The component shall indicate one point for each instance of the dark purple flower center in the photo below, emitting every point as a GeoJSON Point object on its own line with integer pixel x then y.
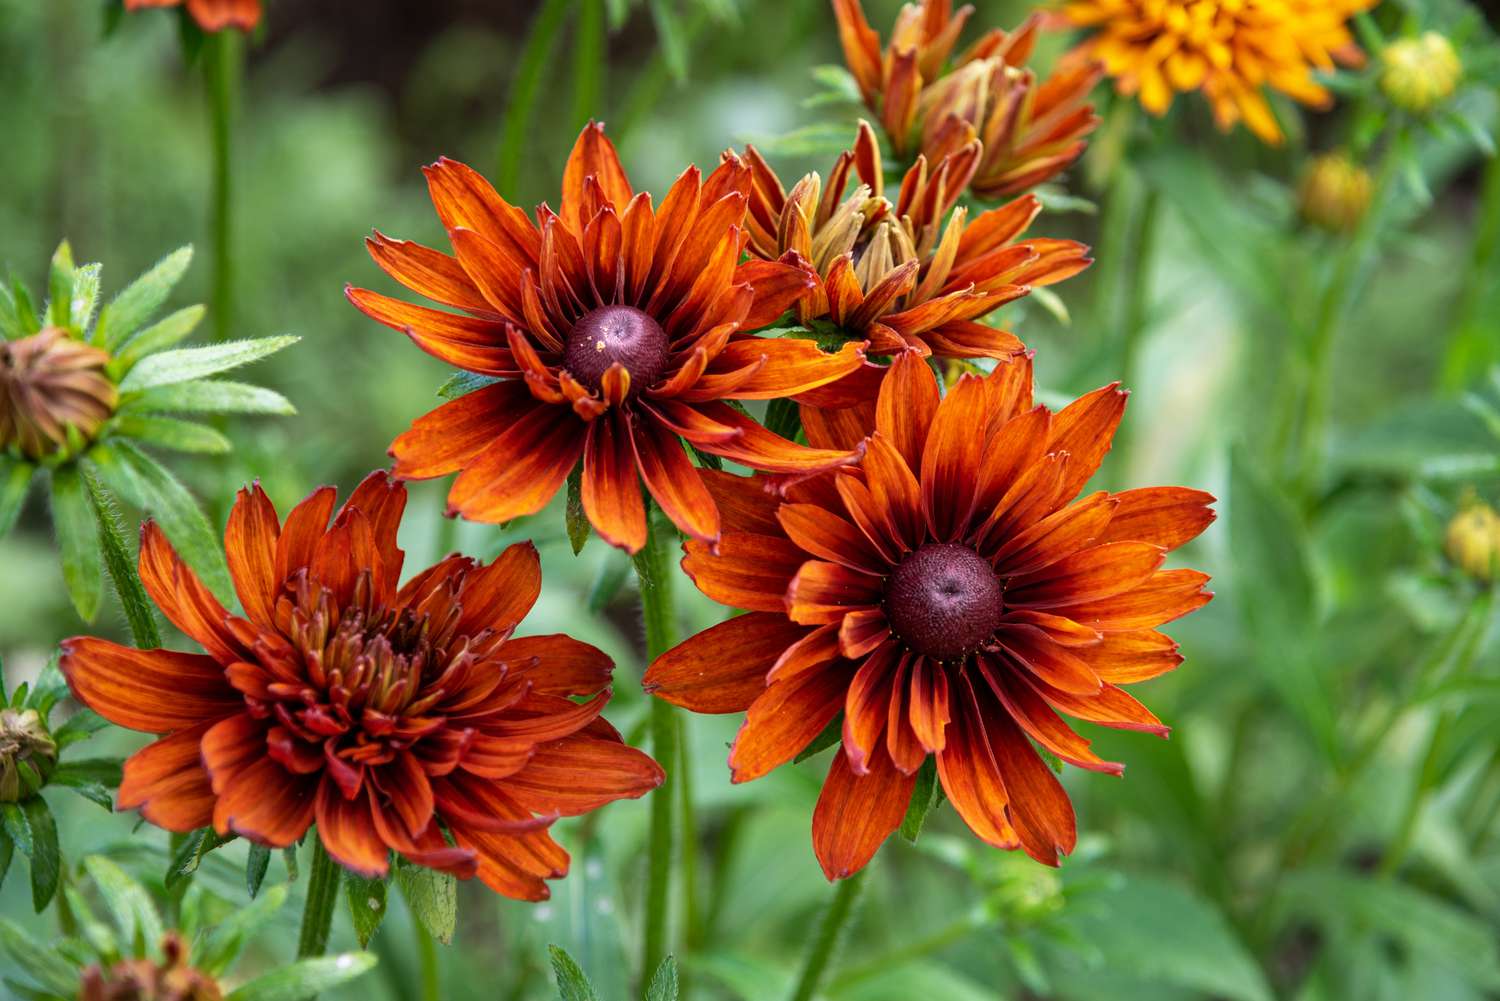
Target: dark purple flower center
{"type": "Point", "coordinates": [613, 334]}
{"type": "Point", "coordinates": [944, 600]}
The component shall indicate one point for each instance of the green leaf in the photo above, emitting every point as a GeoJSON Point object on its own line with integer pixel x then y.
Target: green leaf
{"type": "Point", "coordinates": [41, 964]}
{"type": "Point", "coordinates": [783, 417]}
{"type": "Point", "coordinates": [25, 312]}
{"type": "Point", "coordinates": [433, 899]}
{"type": "Point", "coordinates": [60, 280]}
{"type": "Point", "coordinates": [49, 687]}
{"type": "Point", "coordinates": [143, 297]}
{"type": "Point", "coordinates": [832, 734]}
{"type": "Point", "coordinates": [190, 854]}
{"type": "Point", "coordinates": [923, 797]}
{"type": "Point", "coordinates": [180, 517]}
{"type": "Point", "coordinates": [77, 540]}
{"type": "Point", "coordinates": [208, 396]}
{"type": "Point", "coordinates": [223, 942]}
{"type": "Point", "coordinates": [7, 852]}
{"type": "Point", "coordinates": [188, 364]}
{"type": "Point", "coordinates": [121, 563]}
{"type": "Point", "coordinates": [80, 726]}
{"type": "Point", "coordinates": [305, 978]}
{"type": "Point", "coordinates": [663, 985]}
{"type": "Point", "coordinates": [577, 519]}
{"type": "Point", "coordinates": [464, 383]}
{"type": "Point", "coordinates": [157, 337]}
{"type": "Point", "coordinates": [15, 483]}
{"type": "Point", "coordinates": [256, 864]}
{"type": "Point", "coordinates": [128, 901]}
{"type": "Point", "coordinates": [85, 297]}
{"type": "Point", "coordinates": [169, 432]}
{"type": "Point", "coordinates": [46, 859]}
{"type": "Point", "coordinates": [10, 322]}
{"type": "Point", "coordinates": [572, 983]}
{"type": "Point", "coordinates": [367, 906]}
{"type": "Point", "coordinates": [526, 87]}
{"type": "Point", "coordinates": [673, 43]}
{"type": "Point", "coordinates": [91, 778]}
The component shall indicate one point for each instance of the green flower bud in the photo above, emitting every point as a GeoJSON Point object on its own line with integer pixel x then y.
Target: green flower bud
{"type": "Point", "coordinates": [1418, 74]}
{"type": "Point", "coordinates": [27, 754]}
{"type": "Point", "coordinates": [1473, 541]}
{"type": "Point", "coordinates": [1335, 193]}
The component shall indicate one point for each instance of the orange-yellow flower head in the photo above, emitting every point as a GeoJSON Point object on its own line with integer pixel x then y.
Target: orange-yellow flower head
{"type": "Point", "coordinates": [211, 15]}
{"type": "Point", "coordinates": [1231, 50]}
{"type": "Point", "coordinates": [1031, 130]}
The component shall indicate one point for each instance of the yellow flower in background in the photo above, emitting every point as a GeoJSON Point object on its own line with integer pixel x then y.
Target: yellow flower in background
{"type": "Point", "coordinates": [1473, 540]}
{"type": "Point", "coordinates": [1231, 50]}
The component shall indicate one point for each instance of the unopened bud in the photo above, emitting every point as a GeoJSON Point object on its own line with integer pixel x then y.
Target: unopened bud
{"type": "Point", "coordinates": [1473, 541]}
{"type": "Point", "coordinates": [1420, 73]}
{"type": "Point", "coordinates": [1335, 193]}
{"type": "Point", "coordinates": [50, 382]}
{"type": "Point", "coordinates": [27, 753]}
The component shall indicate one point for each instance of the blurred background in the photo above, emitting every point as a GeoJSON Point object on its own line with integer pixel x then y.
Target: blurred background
{"type": "Point", "coordinates": [1248, 857]}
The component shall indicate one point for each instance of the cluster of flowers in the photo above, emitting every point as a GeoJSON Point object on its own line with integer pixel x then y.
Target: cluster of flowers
{"type": "Point", "coordinates": [924, 564]}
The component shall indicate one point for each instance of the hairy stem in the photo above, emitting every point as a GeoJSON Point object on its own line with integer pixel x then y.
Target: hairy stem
{"type": "Point", "coordinates": [825, 944]}
{"type": "Point", "coordinates": [322, 894]}
{"type": "Point", "coordinates": [221, 68]}
{"type": "Point", "coordinates": [653, 570]}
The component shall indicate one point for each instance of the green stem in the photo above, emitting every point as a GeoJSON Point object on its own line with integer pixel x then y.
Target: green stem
{"type": "Point", "coordinates": [1437, 744]}
{"type": "Point", "coordinates": [950, 934]}
{"type": "Point", "coordinates": [221, 67]}
{"type": "Point", "coordinates": [123, 572]}
{"type": "Point", "coordinates": [322, 894]}
{"type": "Point", "coordinates": [1471, 348]}
{"type": "Point", "coordinates": [1332, 309]}
{"type": "Point", "coordinates": [432, 986]}
{"type": "Point", "coordinates": [515, 130]}
{"type": "Point", "coordinates": [688, 824]}
{"type": "Point", "coordinates": [588, 62]}
{"type": "Point", "coordinates": [653, 570]}
{"type": "Point", "coordinates": [825, 944]}
{"type": "Point", "coordinates": [1136, 306]}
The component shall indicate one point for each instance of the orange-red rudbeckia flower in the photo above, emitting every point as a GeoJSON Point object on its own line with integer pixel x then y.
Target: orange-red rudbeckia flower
{"type": "Point", "coordinates": [211, 15]}
{"type": "Point", "coordinates": [1031, 131]}
{"type": "Point", "coordinates": [614, 330]}
{"type": "Point", "coordinates": [915, 273]}
{"type": "Point", "coordinates": [391, 715]}
{"type": "Point", "coordinates": [950, 598]}
{"type": "Point", "coordinates": [1231, 50]}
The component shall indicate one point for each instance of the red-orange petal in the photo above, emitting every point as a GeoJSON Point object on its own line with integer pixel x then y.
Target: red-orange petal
{"type": "Point", "coordinates": [856, 813]}
{"type": "Point", "coordinates": [785, 718]}
{"type": "Point", "coordinates": [165, 780]}
{"type": "Point", "coordinates": [154, 691]}
{"type": "Point", "coordinates": [522, 469]}
{"type": "Point", "coordinates": [723, 669]}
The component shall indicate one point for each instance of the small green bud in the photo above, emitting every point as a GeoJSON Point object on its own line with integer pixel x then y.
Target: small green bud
{"type": "Point", "coordinates": [27, 753]}
{"type": "Point", "coordinates": [1473, 541]}
{"type": "Point", "coordinates": [1418, 74]}
{"type": "Point", "coordinates": [1335, 193]}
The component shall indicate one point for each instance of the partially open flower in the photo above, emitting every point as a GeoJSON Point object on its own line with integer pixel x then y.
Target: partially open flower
{"type": "Point", "coordinates": [915, 273]}
{"type": "Point", "coordinates": [1473, 541]}
{"type": "Point", "coordinates": [1231, 50]}
{"type": "Point", "coordinates": [1335, 193]}
{"type": "Point", "coordinates": [24, 744]}
{"type": "Point", "coordinates": [615, 331]}
{"type": "Point", "coordinates": [211, 15]}
{"type": "Point", "coordinates": [1418, 74]}
{"type": "Point", "coordinates": [171, 979]}
{"type": "Point", "coordinates": [50, 382]}
{"type": "Point", "coordinates": [1030, 131]}
{"type": "Point", "coordinates": [401, 718]}
{"type": "Point", "coordinates": [950, 598]}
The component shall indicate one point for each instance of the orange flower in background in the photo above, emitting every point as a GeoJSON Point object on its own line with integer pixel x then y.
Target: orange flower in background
{"type": "Point", "coordinates": [389, 715]}
{"type": "Point", "coordinates": [614, 331]}
{"type": "Point", "coordinates": [896, 275]}
{"type": "Point", "coordinates": [1030, 131]}
{"type": "Point", "coordinates": [1231, 50]}
{"type": "Point", "coordinates": [950, 598]}
{"type": "Point", "coordinates": [211, 15]}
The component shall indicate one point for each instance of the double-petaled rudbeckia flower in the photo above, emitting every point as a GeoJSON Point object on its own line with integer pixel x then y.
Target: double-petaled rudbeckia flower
{"type": "Point", "coordinates": [211, 15]}
{"type": "Point", "coordinates": [396, 717]}
{"type": "Point", "coordinates": [1232, 50]}
{"type": "Point", "coordinates": [950, 598]}
{"type": "Point", "coordinates": [896, 275]}
{"type": "Point", "coordinates": [1031, 131]}
{"type": "Point", "coordinates": [614, 331]}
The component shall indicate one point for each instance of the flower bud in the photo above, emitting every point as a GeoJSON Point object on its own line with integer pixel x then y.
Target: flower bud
{"type": "Point", "coordinates": [1473, 541]}
{"type": "Point", "coordinates": [145, 980]}
{"type": "Point", "coordinates": [25, 745]}
{"type": "Point", "coordinates": [1418, 74]}
{"type": "Point", "coordinates": [1335, 193]}
{"type": "Point", "coordinates": [50, 382]}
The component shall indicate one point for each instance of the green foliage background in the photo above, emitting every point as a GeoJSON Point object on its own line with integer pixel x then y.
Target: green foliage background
{"type": "Point", "coordinates": [1239, 859]}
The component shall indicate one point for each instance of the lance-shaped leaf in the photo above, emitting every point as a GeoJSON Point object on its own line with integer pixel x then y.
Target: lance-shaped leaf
{"type": "Point", "coordinates": [157, 337]}
{"type": "Point", "coordinates": [305, 978]}
{"type": "Point", "coordinates": [139, 300]}
{"type": "Point", "coordinates": [187, 364]}
{"type": "Point", "coordinates": [207, 396]}
{"type": "Point", "coordinates": [77, 540]}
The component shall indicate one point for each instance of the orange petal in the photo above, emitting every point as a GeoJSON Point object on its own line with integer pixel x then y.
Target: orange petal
{"type": "Point", "coordinates": [856, 813]}
{"type": "Point", "coordinates": [785, 718]}
{"type": "Point", "coordinates": [723, 669]}
{"type": "Point", "coordinates": [165, 780]}
{"type": "Point", "coordinates": [747, 571]}
{"type": "Point", "coordinates": [522, 469]}
{"type": "Point", "coordinates": [673, 481]}
{"type": "Point", "coordinates": [582, 773]}
{"type": "Point", "coordinates": [611, 492]}
{"type": "Point", "coordinates": [593, 156]}
{"type": "Point", "coordinates": [1163, 516]}
{"type": "Point", "coordinates": [498, 596]}
{"type": "Point", "coordinates": [557, 664]}
{"type": "Point", "coordinates": [448, 438]}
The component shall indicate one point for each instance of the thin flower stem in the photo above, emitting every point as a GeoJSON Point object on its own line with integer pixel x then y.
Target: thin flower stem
{"type": "Point", "coordinates": [221, 67]}
{"type": "Point", "coordinates": [123, 572]}
{"type": "Point", "coordinates": [820, 955]}
{"type": "Point", "coordinates": [322, 894]}
{"type": "Point", "coordinates": [1332, 309]}
{"type": "Point", "coordinates": [1437, 744]}
{"type": "Point", "coordinates": [432, 985]}
{"type": "Point", "coordinates": [653, 570]}
{"type": "Point", "coordinates": [691, 912]}
{"type": "Point", "coordinates": [536, 54]}
{"type": "Point", "coordinates": [1135, 308]}
{"type": "Point", "coordinates": [1471, 351]}
{"type": "Point", "coordinates": [950, 934]}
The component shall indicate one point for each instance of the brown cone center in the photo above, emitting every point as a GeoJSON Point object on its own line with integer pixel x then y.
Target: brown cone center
{"type": "Point", "coordinates": [613, 334]}
{"type": "Point", "coordinates": [944, 600]}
